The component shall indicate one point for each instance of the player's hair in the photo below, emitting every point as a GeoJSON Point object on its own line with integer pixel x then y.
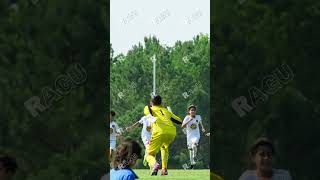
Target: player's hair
{"type": "Point", "coordinates": [261, 142]}
{"type": "Point", "coordinates": [156, 100]}
{"type": "Point", "coordinates": [191, 106]}
{"type": "Point", "coordinates": [112, 113]}
{"type": "Point", "coordinates": [150, 110]}
{"type": "Point", "coordinates": [126, 154]}
{"type": "Point", "coordinates": [9, 163]}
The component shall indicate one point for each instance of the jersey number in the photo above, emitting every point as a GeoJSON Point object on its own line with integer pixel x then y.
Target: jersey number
{"type": "Point", "coordinates": [162, 113]}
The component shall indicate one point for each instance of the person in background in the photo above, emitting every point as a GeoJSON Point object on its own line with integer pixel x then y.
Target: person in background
{"type": "Point", "coordinates": [262, 153]}
{"type": "Point", "coordinates": [145, 132]}
{"type": "Point", "coordinates": [8, 167]}
{"type": "Point", "coordinates": [146, 128]}
{"type": "Point", "coordinates": [191, 123]}
{"type": "Point", "coordinates": [163, 134]}
{"type": "Point", "coordinates": [114, 132]}
{"type": "Point", "coordinates": [127, 153]}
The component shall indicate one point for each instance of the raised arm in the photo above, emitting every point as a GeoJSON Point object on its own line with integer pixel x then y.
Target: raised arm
{"type": "Point", "coordinates": [133, 125]}
{"type": "Point", "coordinates": [174, 118]}
{"type": "Point", "coordinates": [185, 123]}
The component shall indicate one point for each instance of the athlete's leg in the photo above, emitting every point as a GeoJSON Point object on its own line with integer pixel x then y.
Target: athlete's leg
{"type": "Point", "coordinates": [168, 139]}
{"type": "Point", "coordinates": [194, 145]}
{"type": "Point", "coordinates": [146, 142]}
{"type": "Point", "coordinates": [189, 143]}
{"type": "Point", "coordinates": [164, 156]}
{"type": "Point", "coordinates": [194, 152]}
{"type": "Point", "coordinates": [153, 148]}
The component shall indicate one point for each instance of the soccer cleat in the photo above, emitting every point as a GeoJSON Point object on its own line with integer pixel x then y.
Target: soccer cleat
{"type": "Point", "coordinates": [191, 166]}
{"type": "Point", "coordinates": [164, 172]}
{"type": "Point", "coordinates": [155, 169]}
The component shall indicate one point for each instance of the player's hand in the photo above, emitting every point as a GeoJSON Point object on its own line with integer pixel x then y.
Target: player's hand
{"type": "Point", "coordinates": [127, 128]}
{"type": "Point", "coordinates": [203, 130]}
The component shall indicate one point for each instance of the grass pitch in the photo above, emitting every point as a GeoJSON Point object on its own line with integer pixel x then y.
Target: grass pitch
{"type": "Point", "coordinates": [175, 174]}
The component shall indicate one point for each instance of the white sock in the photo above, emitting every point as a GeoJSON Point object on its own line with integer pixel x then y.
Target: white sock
{"type": "Point", "coordinates": [191, 156]}
{"type": "Point", "coordinates": [194, 154]}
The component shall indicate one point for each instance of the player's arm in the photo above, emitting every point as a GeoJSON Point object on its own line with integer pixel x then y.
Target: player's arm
{"type": "Point", "coordinates": [185, 123]}
{"type": "Point", "coordinates": [174, 118]}
{"type": "Point", "coordinates": [133, 125]}
{"type": "Point", "coordinates": [202, 127]}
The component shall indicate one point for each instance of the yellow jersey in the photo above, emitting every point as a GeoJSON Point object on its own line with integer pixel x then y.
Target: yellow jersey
{"type": "Point", "coordinates": [164, 120]}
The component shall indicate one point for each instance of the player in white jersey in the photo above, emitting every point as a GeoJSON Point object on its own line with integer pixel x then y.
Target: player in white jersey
{"type": "Point", "coordinates": [146, 128]}
{"type": "Point", "coordinates": [114, 132]}
{"type": "Point", "coordinates": [191, 124]}
{"type": "Point", "coordinates": [146, 131]}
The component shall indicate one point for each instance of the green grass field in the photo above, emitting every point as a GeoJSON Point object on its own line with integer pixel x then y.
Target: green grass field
{"type": "Point", "coordinates": [175, 174]}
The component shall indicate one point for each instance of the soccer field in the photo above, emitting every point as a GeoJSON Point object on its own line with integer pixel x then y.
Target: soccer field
{"type": "Point", "coordinates": [175, 174]}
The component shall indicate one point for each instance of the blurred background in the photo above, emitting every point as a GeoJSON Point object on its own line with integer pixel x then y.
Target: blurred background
{"type": "Point", "coordinates": [55, 51]}
{"type": "Point", "coordinates": [252, 42]}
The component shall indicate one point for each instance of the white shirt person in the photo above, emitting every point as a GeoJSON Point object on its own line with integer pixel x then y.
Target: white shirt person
{"type": "Point", "coordinates": [191, 127]}
{"type": "Point", "coordinates": [146, 131]}
{"type": "Point", "coordinates": [114, 132]}
{"type": "Point", "coordinates": [262, 153]}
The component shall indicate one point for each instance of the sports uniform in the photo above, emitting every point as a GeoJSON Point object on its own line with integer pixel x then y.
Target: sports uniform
{"type": "Point", "coordinates": [163, 134]}
{"type": "Point", "coordinates": [193, 135]}
{"type": "Point", "coordinates": [114, 130]}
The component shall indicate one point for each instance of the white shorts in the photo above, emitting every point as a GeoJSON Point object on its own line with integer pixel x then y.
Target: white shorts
{"type": "Point", "coordinates": [192, 140]}
{"type": "Point", "coordinates": [112, 145]}
{"type": "Point", "coordinates": [146, 141]}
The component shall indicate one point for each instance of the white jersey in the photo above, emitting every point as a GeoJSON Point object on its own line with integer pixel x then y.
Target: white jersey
{"type": "Point", "coordinates": [114, 129]}
{"type": "Point", "coordinates": [146, 122]}
{"type": "Point", "coordinates": [192, 128]}
{"type": "Point", "coordinates": [278, 174]}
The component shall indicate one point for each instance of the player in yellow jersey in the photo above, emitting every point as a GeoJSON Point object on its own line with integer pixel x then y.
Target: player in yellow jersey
{"type": "Point", "coordinates": [163, 134]}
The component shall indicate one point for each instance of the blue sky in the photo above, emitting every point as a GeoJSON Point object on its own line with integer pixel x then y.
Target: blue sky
{"type": "Point", "coordinates": [168, 20]}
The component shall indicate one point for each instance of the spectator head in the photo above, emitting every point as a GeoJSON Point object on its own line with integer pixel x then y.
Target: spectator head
{"type": "Point", "coordinates": [127, 153]}
{"type": "Point", "coordinates": [262, 152]}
